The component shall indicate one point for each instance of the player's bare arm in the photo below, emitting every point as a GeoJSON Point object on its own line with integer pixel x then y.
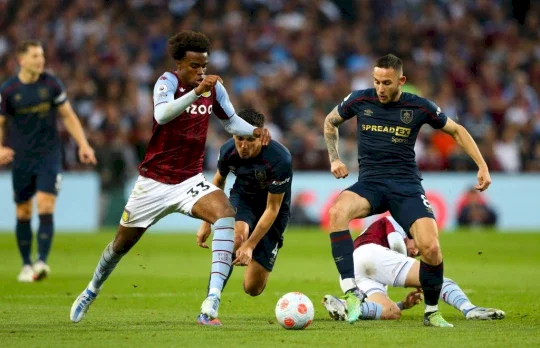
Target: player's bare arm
{"type": "Point", "coordinates": [6, 153]}
{"type": "Point", "coordinates": [245, 252]}
{"type": "Point", "coordinates": [205, 229]}
{"type": "Point", "coordinates": [331, 137]}
{"type": "Point", "coordinates": [465, 140]}
{"type": "Point", "coordinates": [73, 126]}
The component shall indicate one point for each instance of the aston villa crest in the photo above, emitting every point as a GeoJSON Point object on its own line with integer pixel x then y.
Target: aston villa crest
{"type": "Point", "coordinates": [406, 116]}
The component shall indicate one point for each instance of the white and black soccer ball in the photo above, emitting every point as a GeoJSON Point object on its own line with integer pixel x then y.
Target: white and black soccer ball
{"type": "Point", "coordinates": [294, 311]}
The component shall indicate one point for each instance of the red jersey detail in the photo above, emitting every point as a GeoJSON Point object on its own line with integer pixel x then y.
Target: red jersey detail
{"type": "Point", "coordinates": [175, 152]}
{"type": "Point", "coordinates": [376, 233]}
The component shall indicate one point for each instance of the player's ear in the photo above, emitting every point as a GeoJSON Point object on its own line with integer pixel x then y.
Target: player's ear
{"type": "Point", "coordinates": [402, 80]}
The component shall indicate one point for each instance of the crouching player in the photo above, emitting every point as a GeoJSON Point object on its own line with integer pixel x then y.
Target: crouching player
{"type": "Point", "coordinates": [380, 260]}
{"type": "Point", "coordinates": [261, 195]}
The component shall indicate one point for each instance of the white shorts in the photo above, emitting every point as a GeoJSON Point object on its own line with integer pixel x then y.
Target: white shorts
{"type": "Point", "coordinates": [152, 200]}
{"type": "Point", "coordinates": [376, 267]}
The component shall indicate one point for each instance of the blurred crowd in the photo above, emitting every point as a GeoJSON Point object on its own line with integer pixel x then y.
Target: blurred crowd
{"type": "Point", "coordinates": [294, 60]}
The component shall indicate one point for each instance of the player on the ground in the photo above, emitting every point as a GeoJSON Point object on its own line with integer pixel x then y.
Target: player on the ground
{"type": "Point", "coordinates": [171, 178]}
{"type": "Point", "coordinates": [30, 102]}
{"type": "Point", "coordinates": [383, 256]}
{"type": "Point", "coordinates": [261, 195]}
{"type": "Point", "coordinates": [388, 124]}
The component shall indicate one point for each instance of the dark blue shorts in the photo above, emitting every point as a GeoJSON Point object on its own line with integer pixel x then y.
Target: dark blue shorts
{"type": "Point", "coordinates": [405, 199]}
{"type": "Point", "coordinates": [43, 174]}
{"type": "Point", "coordinates": [266, 251]}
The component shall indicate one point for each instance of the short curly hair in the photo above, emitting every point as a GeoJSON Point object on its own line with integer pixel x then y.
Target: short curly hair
{"type": "Point", "coordinates": [253, 117]}
{"type": "Point", "coordinates": [187, 40]}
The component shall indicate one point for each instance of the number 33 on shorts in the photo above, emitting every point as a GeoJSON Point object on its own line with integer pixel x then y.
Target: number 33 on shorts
{"type": "Point", "coordinates": [200, 187]}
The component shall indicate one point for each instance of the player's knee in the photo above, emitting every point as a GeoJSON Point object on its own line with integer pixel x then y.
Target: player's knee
{"type": "Point", "coordinates": [227, 210]}
{"type": "Point", "coordinates": [253, 289]}
{"type": "Point", "coordinates": [391, 312]}
{"type": "Point", "coordinates": [24, 211]}
{"type": "Point", "coordinates": [337, 214]}
{"type": "Point", "coordinates": [431, 252]}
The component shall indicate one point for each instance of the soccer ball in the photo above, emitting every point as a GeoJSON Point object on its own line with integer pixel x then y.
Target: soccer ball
{"type": "Point", "coordinates": [294, 311]}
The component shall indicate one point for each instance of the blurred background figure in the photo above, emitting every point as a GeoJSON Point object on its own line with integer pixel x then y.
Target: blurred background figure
{"type": "Point", "coordinates": [474, 210]}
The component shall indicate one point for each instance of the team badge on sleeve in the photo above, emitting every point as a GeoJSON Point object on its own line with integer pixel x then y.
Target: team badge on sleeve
{"type": "Point", "coordinates": [406, 116]}
{"type": "Point", "coordinates": [125, 215]}
{"type": "Point", "coordinates": [162, 91]}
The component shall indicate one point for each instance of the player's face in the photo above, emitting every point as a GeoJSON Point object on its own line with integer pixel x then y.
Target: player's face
{"type": "Point", "coordinates": [33, 61]}
{"type": "Point", "coordinates": [192, 67]}
{"type": "Point", "coordinates": [247, 147]}
{"type": "Point", "coordinates": [388, 84]}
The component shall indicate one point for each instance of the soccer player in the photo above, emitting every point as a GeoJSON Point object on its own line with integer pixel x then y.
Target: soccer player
{"type": "Point", "coordinates": [383, 256]}
{"type": "Point", "coordinates": [30, 102]}
{"type": "Point", "coordinates": [261, 195]}
{"type": "Point", "coordinates": [171, 178]}
{"type": "Point", "coordinates": [388, 123]}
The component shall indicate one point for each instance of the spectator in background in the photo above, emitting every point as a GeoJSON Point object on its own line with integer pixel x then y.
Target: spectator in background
{"type": "Point", "coordinates": [474, 211]}
{"type": "Point", "coordinates": [295, 60]}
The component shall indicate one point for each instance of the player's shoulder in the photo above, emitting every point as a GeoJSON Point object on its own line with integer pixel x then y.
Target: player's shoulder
{"type": "Point", "coordinates": [227, 148]}
{"type": "Point", "coordinates": [362, 94]}
{"type": "Point", "coordinates": [167, 76]}
{"type": "Point", "coordinates": [9, 83]}
{"type": "Point", "coordinates": [278, 152]}
{"type": "Point", "coordinates": [416, 100]}
{"type": "Point", "coordinates": [48, 76]}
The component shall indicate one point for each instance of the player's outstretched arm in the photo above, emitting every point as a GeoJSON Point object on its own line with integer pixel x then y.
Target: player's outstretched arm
{"type": "Point", "coordinates": [6, 153]}
{"type": "Point", "coordinates": [465, 140]}
{"type": "Point", "coordinates": [331, 137]}
{"type": "Point", "coordinates": [206, 229]}
{"type": "Point", "coordinates": [73, 126]}
{"type": "Point", "coordinates": [245, 252]}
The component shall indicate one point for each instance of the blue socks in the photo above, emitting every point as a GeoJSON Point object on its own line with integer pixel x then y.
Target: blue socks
{"type": "Point", "coordinates": [342, 251]}
{"type": "Point", "coordinates": [23, 232]}
{"type": "Point", "coordinates": [45, 236]}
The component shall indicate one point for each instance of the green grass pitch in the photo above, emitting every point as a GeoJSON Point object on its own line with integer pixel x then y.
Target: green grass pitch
{"type": "Point", "coordinates": [153, 297]}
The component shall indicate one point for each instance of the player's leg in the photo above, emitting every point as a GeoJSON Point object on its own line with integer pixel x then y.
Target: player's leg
{"type": "Point", "coordinates": [358, 201]}
{"type": "Point", "coordinates": [411, 209]}
{"type": "Point", "coordinates": [215, 208]}
{"type": "Point", "coordinates": [452, 294]}
{"type": "Point", "coordinates": [48, 182]}
{"type": "Point", "coordinates": [45, 205]}
{"type": "Point", "coordinates": [144, 207]}
{"type": "Point", "coordinates": [24, 188]}
{"type": "Point", "coordinates": [264, 257]}
{"type": "Point", "coordinates": [376, 307]}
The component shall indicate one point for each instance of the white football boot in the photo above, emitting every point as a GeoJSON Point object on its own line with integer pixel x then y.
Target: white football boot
{"type": "Point", "coordinates": [209, 311]}
{"type": "Point", "coordinates": [41, 270]}
{"type": "Point", "coordinates": [337, 308]}
{"type": "Point", "coordinates": [26, 275]}
{"type": "Point", "coordinates": [82, 304]}
{"type": "Point", "coordinates": [481, 313]}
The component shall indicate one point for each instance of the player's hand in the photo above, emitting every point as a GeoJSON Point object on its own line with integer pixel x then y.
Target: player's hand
{"type": "Point", "coordinates": [87, 155]}
{"type": "Point", "coordinates": [262, 133]}
{"type": "Point", "coordinates": [484, 179]}
{"type": "Point", "coordinates": [207, 84]}
{"type": "Point", "coordinates": [243, 255]}
{"type": "Point", "coordinates": [6, 155]}
{"type": "Point", "coordinates": [203, 233]}
{"type": "Point", "coordinates": [339, 169]}
{"type": "Point", "coordinates": [413, 298]}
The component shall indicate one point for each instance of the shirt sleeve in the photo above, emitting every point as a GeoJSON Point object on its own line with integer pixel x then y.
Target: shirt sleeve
{"type": "Point", "coordinates": [346, 108]}
{"type": "Point", "coordinates": [59, 96]}
{"type": "Point", "coordinates": [435, 117]}
{"type": "Point", "coordinates": [281, 177]}
{"type": "Point", "coordinates": [165, 88]}
{"type": "Point", "coordinates": [222, 107]}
